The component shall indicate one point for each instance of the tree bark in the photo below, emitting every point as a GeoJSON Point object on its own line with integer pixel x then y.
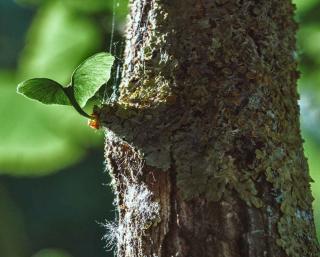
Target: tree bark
{"type": "Point", "coordinates": [204, 144]}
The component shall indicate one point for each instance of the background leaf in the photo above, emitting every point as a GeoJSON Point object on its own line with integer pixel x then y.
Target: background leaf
{"type": "Point", "coordinates": [58, 40]}
{"type": "Point", "coordinates": [90, 76]}
{"type": "Point", "coordinates": [44, 90]}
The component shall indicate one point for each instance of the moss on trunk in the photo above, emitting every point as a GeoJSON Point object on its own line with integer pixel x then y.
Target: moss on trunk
{"type": "Point", "coordinates": [204, 143]}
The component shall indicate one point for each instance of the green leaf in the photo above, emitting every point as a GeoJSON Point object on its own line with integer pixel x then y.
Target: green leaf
{"type": "Point", "coordinates": [44, 90]}
{"type": "Point", "coordinates": [37, 139]}
{"type": "Point", "coordinates": [90, 76]}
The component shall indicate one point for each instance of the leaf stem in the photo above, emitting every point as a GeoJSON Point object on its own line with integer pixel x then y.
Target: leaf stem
{"type": "Point", "coordinates": [70, 94]}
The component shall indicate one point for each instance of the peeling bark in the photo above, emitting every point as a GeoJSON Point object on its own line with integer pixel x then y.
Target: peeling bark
{"type": "Point", "coordinates": [204, 143]}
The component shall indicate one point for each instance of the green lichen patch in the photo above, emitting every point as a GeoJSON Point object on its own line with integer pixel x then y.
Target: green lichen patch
{"type": "Point", "coordinates": [295, 238]}
{"type": "Point", "coordinates": [148, 83]}
{"type": "Point", "coordinates": [215, 102]}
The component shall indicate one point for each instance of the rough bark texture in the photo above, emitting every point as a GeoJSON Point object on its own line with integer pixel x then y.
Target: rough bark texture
{"type": "Point", "coordinates": [204, 144]}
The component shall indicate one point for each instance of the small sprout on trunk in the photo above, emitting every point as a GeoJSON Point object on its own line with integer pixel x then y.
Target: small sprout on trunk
{"type": "Point", "coordinates": [86, 80]}
{"type": "Point", "coordinates": [94, 121]}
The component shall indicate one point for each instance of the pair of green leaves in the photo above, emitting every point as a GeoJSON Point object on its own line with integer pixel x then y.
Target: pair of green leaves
{"type": "Point", "coordinates": [86, 80]}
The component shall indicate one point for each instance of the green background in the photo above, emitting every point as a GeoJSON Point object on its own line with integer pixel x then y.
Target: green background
{"type": "Point", "coordinates": [54, 193]}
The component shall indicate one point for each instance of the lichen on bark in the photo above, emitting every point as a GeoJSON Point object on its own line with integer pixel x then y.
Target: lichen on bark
{"type": "Point", "coordinates": [208, 101]}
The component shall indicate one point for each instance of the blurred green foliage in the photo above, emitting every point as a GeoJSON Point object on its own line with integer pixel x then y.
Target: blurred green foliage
{"type": "Point", "coordinates": [42, 213]}
{"type": "Point", "coordinates": [61, 211]}
{"type": "Point", "coordinates": [51, 253]}
{"type": "Point", "coordinates": [37, 140]}
{"type": "Point", "coordinates": [13, 238]}
{"type": "Point", "coordinates": [309, 88]}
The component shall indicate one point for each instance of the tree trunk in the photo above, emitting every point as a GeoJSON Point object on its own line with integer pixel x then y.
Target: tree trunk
{"type": "Point", "coordinates": [204, 143]}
